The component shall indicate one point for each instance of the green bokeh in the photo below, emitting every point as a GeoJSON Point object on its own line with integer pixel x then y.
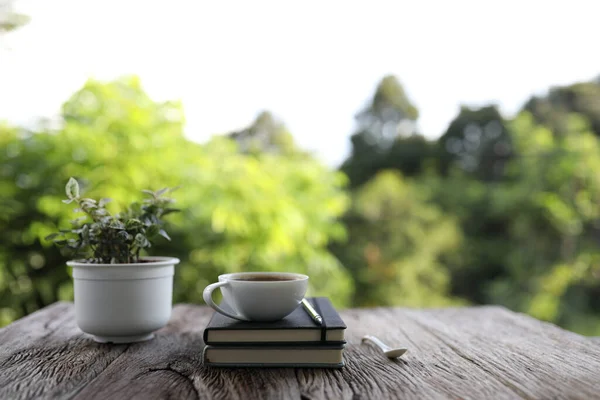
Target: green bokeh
{"type": "Point", "coordinates": [496, 211]}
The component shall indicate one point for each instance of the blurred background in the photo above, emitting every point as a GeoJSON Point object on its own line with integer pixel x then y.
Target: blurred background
{"type": "Point", "coordinates": [420, 154]}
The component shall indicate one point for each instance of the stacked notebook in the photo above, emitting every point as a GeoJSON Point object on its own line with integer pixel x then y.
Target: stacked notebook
{"type": "Point", "coordinates": [295, 341]}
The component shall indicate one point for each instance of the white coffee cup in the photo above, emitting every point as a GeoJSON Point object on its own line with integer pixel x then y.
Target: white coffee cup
{"type": "Point", "coordinates": [258, 296]}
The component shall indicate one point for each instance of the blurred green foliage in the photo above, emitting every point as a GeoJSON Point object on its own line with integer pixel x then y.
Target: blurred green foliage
{"type": "Point", "coordinates": [512, 207]}
{"type": "Point", "coordinates": [397, 241]}
{"type": "Point", "coordinates": [240, 212]}
{"type": "Point", "coordinates": [495, 211]}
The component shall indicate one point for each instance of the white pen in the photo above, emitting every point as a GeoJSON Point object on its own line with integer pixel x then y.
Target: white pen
{"type": "Point", "coordinates": [311, 311]}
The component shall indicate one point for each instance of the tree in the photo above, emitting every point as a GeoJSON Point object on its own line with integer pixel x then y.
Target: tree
{"type": "Point", "coordinates": [385, 136]}
{"type": "Point", "coordinates": [265, 135]}
{"type": "Point", "coordinates": [481, 259]}
{"type": "Point", "coordinates": [411, 155]}
{"type": "Point", "coordinates": [390, 114]}
{"type": "Point", "coordinates": [397, 243]}
{"type": "Point", "coordinates": [553, 109]}
{"type": "Point", "coordinates": [477, 141]}
{"type": "Point", "coordinates": [554, 214]}
{"type": "Point", "coordinates": [263, 211]}
{"type": "Point", "coordinates": [531, 239]}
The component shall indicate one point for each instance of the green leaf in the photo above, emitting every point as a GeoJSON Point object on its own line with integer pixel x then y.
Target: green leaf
{"type": "Point", "coordinates": [141, 241]}
{"type": "Point", "coordinates": [99, 212]}
{"type": "Point", "coordinates": [72, 189]}
{"type": "Point", "coordinates": [152, 230]}
{"type": "Point", "coordinates": [116, 224]}
{"type": "Point", "coordinates": [149, 192]}
{"type": "Point", "coordinates": [164, 234]}
{"type": "Point", "coordinates": [77, 221]}
{"type": "Point", "coordinates": [133, 223]}
{"type": "Point", "coordinates": [88, 204]}
{"type": "Point", "coordinates": [51, 236]}
{"type": "Point", "coordinates": [103, 202]}
{"type": "Point", "coordinates": [170, 211]}
{"type": "Point", "coordinates": [124, 235]}
{"type": "Point", "coordinates": [162, 191]}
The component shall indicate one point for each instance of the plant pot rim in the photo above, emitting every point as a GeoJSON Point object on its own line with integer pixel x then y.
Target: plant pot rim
{"type": "Point", "coordinates": [155, 261]}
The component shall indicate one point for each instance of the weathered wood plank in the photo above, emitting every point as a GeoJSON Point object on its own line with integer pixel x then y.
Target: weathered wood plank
{"type": "Point", "coordinates": [46, 355]}
{"type": "Point", "coordinates": [473, 353]}
{"type": "Point", "coordinates": [170, 366]}
{"type": "Point", "coordinates": [534, 359]}
{"type": "Point", "coordinates": [26, 331]}
{"type": "Point", "coordinates": [430, 369]}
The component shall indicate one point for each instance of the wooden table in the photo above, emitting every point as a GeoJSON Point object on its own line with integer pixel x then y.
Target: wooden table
{"type": "Point", "coordinates": [468, 353]}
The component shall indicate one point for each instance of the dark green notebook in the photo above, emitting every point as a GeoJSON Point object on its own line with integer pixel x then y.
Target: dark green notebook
{"type": "Point", "coordinates": [322, 356]}
{"type": "Point", "coordinates": [296, 328]}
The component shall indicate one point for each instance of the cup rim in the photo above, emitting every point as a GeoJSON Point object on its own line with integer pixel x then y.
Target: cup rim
{"type": "Point", "coordinates": [232, 275]}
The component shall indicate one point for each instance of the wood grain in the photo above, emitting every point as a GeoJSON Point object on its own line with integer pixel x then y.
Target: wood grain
{"type": "Point", "coordinates": [468, 353]}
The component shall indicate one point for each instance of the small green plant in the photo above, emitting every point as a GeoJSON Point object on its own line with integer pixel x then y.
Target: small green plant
{"type": "Point", "coordinates": [102, 238]}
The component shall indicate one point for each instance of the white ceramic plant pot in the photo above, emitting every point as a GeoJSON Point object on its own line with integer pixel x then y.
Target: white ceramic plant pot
{"type": "Point", "coordinates": [123, 303]}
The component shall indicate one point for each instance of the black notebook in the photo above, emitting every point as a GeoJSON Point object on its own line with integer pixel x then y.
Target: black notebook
{"type": "Point", "coordinates": [297, 356]}
{"type": "Point", "coordinates": [298, 327]}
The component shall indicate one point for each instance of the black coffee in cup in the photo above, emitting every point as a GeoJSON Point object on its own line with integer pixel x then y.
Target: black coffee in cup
{"type": "Point", "coordinates": [265, 278]}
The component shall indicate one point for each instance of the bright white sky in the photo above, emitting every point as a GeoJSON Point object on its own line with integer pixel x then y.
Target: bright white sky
{"type": "Point", "coordinates": [312, 63]}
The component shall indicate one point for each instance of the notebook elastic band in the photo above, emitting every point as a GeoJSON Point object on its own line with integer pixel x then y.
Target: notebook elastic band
{"type": "Point", "coordinates": [324, 324]}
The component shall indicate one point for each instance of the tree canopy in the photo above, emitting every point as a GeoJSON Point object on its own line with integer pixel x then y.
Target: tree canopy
{"type": "Point", "coordinates": [500, 209]}
{"type": "Point", "coordinates": [240, 212]}
{"type": "Point", "coordinates": [385, 135]}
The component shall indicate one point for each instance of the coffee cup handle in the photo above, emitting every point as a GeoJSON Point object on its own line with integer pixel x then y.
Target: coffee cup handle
{"type": "Point", "coordinates": [207, 295]}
